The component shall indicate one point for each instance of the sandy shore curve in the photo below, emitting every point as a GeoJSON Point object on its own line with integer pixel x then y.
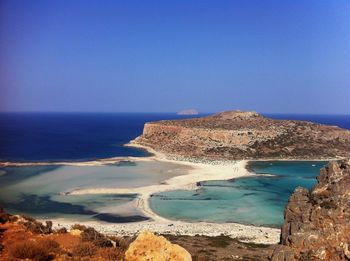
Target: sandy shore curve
{"type": "Point", "coordinates": [197, 172]}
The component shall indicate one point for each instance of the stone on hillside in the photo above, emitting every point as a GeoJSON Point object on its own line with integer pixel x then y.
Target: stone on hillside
{"type": "Point", "coordinates": [150, 247]}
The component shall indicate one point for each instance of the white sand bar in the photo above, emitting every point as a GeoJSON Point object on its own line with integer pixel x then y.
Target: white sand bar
{"type": "Point", "coordinates": [197, 172]}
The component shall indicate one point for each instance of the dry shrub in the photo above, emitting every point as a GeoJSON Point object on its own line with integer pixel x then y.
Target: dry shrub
{"type": "Point", "coordinates": [61, 230]}
{"type": "Point", "coordinates": [84, 249]}
{"type": "Point", "coordinates": [37, 227]}
{"type": "Point", "coordinates": [78, 227]}
{"type": "Point", "coordinates": [31, 250]}
{"type": "Point", "coordinates": [41, 249]}
{"type": "Point", "coordinates": [28, 218]}
{"type": "Point", "coordinates": [111, 254]}
{"type": "Point", "coordinates": [4, 217]}
{"type": "Point", "coordinates": [48, 244]}
{"type": "Point", "coordinates": [124, 242]}
{"type": "Point", "coordinates": [91, 235]}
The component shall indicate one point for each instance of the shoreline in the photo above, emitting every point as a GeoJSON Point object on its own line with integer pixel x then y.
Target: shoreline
{"type": "Point", "coordinates": [243, 233]}
{"type": "Point", "coordinates": [197, 172]}
{"type": "Point", "coordinates": [98, 162]}
{"type": "Point", "coordinates": [154, 155]}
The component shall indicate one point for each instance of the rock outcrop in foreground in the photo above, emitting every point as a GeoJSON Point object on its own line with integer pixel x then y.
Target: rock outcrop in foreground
{"type": "Point", "coordinates": [317, 223]}
{"type": "Point", "coordinates": [147, 246]}
{"type": "Point", "coordinates": [239, 135]}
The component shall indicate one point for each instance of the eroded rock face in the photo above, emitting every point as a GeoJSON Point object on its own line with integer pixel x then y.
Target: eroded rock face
{"type": "Point", "coordinates": [150, 247]}
{"type": "Point", "coordinates": [317, 223]}
{"type": "Point", "coordinates": [239, 135]}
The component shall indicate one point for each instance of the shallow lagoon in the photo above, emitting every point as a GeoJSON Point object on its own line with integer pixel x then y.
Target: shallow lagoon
{"type": "Point", "coordinates": [37, 190]}
{"type": "Point", "coordinates": [258, 200]}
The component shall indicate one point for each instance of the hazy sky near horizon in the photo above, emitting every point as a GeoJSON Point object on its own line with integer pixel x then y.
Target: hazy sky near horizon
{"type": "Point", "coordinates": [164, 56]}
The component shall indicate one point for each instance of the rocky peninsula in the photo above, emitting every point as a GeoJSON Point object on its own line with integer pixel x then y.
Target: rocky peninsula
{"type": "Point", "coordinates": [233, 135]}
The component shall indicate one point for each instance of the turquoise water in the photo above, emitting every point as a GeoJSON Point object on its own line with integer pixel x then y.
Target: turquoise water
{"type": "Point", "coordinates": [47, 137]}
{"type": "Point", "coordinates": [258, 200]}
{"type": "Point", "coordinates": [37, 190]}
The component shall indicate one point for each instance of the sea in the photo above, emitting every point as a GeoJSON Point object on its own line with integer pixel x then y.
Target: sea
{"type": "Point", "coordinates": [40, 191]}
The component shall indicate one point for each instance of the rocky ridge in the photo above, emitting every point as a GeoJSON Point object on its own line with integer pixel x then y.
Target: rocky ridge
{"type": "Point", "coordinates": [317, 223]}
{"type": "Point", "coordinates": [244, 135]}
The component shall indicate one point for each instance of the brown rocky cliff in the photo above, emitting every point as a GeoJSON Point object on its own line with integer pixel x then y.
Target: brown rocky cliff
{"type": "Point", "coordinates": [239, 135]}
{"type": "Point", "coordinates": [317, 223]}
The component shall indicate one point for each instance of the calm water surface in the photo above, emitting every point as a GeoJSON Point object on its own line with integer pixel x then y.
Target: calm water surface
{"type": "Point", "coordinates": [254, 200]}
{"type": "Point", "coordinates": [37, 190]}
{"type": "Point", "coordinates": [84, 136]}
{"type": "Point", "coordinates": [72, 136]}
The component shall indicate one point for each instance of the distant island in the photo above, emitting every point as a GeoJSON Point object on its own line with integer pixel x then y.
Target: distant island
{"type": "Point", "coordinates": [232, 135]}
{"type": "Point", "coordinates": [188, 112]}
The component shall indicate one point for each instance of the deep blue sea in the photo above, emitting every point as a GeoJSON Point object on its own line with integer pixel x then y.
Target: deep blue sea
{"type": "Point", "coordinates": [83, 136]}
{"type": "Point", "coordinates": [71, 136]}
{"type": "Point", "coordinates": [37, 190]}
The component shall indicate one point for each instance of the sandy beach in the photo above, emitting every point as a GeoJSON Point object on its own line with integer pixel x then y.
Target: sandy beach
{"type": "Point", "coordinates": [193, 173]}
{"type": "Point", "coordinates": [244, 233]}
{"type": "Point", "coordinates": [196, 172]}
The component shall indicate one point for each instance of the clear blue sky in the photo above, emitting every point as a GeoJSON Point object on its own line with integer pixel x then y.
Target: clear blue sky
{"type": "Point", "coordinates": [164, 56]}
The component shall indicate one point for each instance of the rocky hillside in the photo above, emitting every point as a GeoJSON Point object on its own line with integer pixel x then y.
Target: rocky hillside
{"type": "Point", "coordinates": [317, 223]}
{"type": "Point", "coordinates": [238, 135]}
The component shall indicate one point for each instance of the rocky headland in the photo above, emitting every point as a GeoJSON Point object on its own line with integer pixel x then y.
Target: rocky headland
{"type": "Point", "coordinates": [317, 222]}
{"type": "Point", "coordinates": [244, 135]}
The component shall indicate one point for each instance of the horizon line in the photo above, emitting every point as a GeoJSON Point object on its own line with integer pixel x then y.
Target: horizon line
{"type": "Point", "coordinates": [172, 112]}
